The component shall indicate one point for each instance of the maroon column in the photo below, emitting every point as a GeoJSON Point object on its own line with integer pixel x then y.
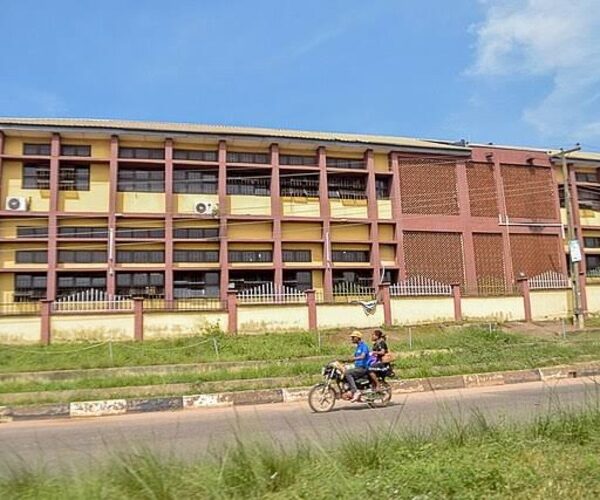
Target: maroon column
{"type": "Point", "coordinates": [53, 216]}
{"type": "Point", "coordinates": [384, 294]}
{"type": "Point", "coordinates": [232, 323]}
{"type": "Point", "coordinates": [456, 296]}
{"type": "Point", "coordinates": [223, 211]}
{"type": "Point", "coordinates": [373, 215]}
{"type": "Point", "coordinates": [462, 188]}
{"type": "Point", "coordinates": [138, 319]}
{"type": "Point", "coordinates": [276, 213]}
{"type": "Point", "coordinates": [112, 212]}
{"type": "Point", "coordinates": [524, 286]}
{"type": "Point", "coordinates": [507, 255]}
{"type": "Point", "coordinates": [579, 234]}
{"type": "Point", "coordinates": [325, 217]}
{"type": "Point", "coordinates": [311, 303]}
{"type": "Point", "coordinates": [395, 194]}
{"type": "Point", "coordinates": [45, 323]}
{"type": "Point", "coordinates": [169, 210]}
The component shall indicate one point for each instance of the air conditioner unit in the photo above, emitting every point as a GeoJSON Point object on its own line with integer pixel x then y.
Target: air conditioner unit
{"type": "Point", "coordinates": [16, 204]}
{"type": "Point", "coordinates": [206, 208]}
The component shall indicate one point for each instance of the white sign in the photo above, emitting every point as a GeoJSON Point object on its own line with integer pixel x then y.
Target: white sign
{"type": "Point", "coordinates": [575, 251]}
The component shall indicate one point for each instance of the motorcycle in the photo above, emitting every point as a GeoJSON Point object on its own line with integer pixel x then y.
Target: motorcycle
{"type": "Point", "coordinates": [322, 396]}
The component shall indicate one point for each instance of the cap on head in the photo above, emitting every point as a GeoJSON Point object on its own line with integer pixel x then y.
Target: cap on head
{"type": "Point", "coordinates": [356, 334]}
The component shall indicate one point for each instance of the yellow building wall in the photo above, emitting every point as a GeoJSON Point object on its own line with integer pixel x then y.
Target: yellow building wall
{"type": "Point", "coordinates": [100, 147]}
{"type": "Point", "coordinates": [92, 327]}
{"type": "Point", "coordinates": [593, 298]}
{"type": "Point", "coordinates": [317, 280]}
{"type": "Point", "coordinates": [140, 223]}
{"type": "Point", "coordinates": [141, 143]}
{"type": "Point", "coordinates": [83, 221]}
{"type": "Point", "coordinates": [387, 254]}
{"type": "Point", "coordinates": [384, 209]}
{"type": "Point", "coordinates": [252, 230]}
{"type": "Point", "coordinates": [249, 205]}
{"type": "Point", "coordinates": [198, 146]}
{"type": "Point", "coordinates": [301, 207]}
{"type": "Point", "coordinates": [195, 223]}
{"type": "Point", "coordinates": [266, 318]}
{"type": "Point", "coordinates": [7, 282]}
{"type": "Point", "coordinates": [141, 202]}
{"type": "Point", "coordinates": [354, 232]}
{"type": "Point", "coordinates": [386, 232]}
{"type": "Point", "coordinates": [8, 227]}
{"type": "Point", "coordinates": [420, 310]}
{"type": "Point", "coordinates": [20, 329]}
{"type": "Point", "coordinates": [493, 308]}
{"type": "Point", "coordinates": [14, 145]}
{"type": "Point", "coordinates": [12, 180]}
{"type": "Point", "coordinates": [348, 209]}
{"type": "Point", "coordinates": [301, 231]}
{"type": "Point", "coordinates": [549, 304]}
{"type": "Point", "coordinates": [8, 255]}
{"type": "Point", "coordinates": [589, 218]}
{"type": "Point", "coordinates": [185, 203]}
{"type": "Point", "coordinates": [159, 325]}
{"type": "Point", "coordinates": [94, 200]}
{"type": "Point", "coordinates": [347, 316]}
{"type": "Point", "coordinates": [381, 162]}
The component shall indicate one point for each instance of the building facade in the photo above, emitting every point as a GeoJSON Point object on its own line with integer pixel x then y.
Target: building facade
{"type": "Point", "coordinates": [175, 211]}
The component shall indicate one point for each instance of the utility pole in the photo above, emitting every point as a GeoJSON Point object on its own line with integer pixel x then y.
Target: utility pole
{"type": "Point", "coordinates": [574, 248]}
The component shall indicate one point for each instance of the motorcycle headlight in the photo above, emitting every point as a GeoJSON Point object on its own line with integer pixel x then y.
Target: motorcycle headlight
{"type": "Point", "coordinates": [324, 370]}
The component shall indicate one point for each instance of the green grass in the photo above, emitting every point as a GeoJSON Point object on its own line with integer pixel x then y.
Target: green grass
{"type": "Point", "coordinates": [554, 457]}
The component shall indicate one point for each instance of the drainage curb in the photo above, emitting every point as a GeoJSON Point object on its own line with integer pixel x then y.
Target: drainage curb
{"type": "Point", "coordinates": [82, 409]}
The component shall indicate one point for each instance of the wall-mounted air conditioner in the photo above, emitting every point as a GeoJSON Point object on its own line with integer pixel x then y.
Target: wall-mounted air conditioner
{"type": "Point", "coordinates": [16, 204]}
{"type": "Point", "coordinates": [206, 208]}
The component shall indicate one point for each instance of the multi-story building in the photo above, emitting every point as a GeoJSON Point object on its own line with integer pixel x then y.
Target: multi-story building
{"type": "Point", "coordinates": [177, 210]}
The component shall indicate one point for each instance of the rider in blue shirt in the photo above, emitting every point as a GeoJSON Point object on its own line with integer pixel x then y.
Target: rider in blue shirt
{"type": "Point", "coordinates": [361, 361]}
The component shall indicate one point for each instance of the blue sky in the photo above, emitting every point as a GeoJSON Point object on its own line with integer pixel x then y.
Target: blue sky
{"type": "Point", "coordinates": [504, 71]}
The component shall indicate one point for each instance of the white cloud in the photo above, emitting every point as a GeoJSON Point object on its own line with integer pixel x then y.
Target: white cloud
{"type": "Point", "coordinates": [558, 39]}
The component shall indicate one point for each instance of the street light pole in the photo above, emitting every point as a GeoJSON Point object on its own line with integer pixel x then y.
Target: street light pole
{"type": "Point", "coordinates": [578, 319]}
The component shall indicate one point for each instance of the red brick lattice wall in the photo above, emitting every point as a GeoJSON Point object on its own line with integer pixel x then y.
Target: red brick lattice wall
{"type": "Point", "coordinates": [438, 256]}
{"type": "Point", "coordinates": [489, 264]}
{"type": "Point", "coordinates": [529, 192]}
{"type": "Point", "coordinates": [428, 186]}
{"type": "Point", "coordinates": [533, 254]}
{"type": "Point", "coordinates": [482, 189]}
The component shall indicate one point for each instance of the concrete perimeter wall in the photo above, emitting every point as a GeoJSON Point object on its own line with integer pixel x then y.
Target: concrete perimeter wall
{"type": "Point", "coordinates": [549, 304]}
{"type": "Point", "coordinates": [113, 326]}
{"type": "Point", "coordinates": [160, 325]}
{"type": "Point", "coordinates": [268, 318]}
{"type": "Point", "coordinates": [347, 316]}
{"type": "Point", "coordinates": [20, 329]}
{"type": "Point", "coordinates": [497, 308]}
{"type": "Point", "coordinates": [415, 310]}
{"type": "Point", "coordinates": [593, 298]}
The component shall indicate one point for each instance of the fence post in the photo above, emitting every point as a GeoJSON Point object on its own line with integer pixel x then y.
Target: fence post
{"type": "Point", "coordinates": [138, 318]}
{"type": "Point", "coordinates": [232, 326]}
{"type": "Point", "coordinates": [524, 285]}
{"type": "Point", "coordinates": [311, 302]}
{"type": "Point", "coordinates": [456, 295]}
{"type": "Point", "coordinates": [46, 322]}
{"type": "Point", "coordinates": [384, 293]}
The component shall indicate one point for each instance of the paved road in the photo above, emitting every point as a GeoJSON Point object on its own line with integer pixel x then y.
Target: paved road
{"type": "Point", "coordinates": [70, 444]}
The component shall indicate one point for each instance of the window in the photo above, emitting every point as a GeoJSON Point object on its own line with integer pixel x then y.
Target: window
{"type": "Point", "coordinates": [347, 188]}
{"type": "Point", "coordinates": [250, 256]}
{"type": "Point", "coordinates": [296, 256]}
{"type": "Point", "coordinates": [194, 181]}
{"type": "Point", "coordinates": [140, 256]}
{"type": "Point", "coordinates": [36, 176]}
{"type": "Point", "coordinates": [69, 284]}
{"type": "Point", "coordinates": [67, 150]}
{"type": "Point", "coordinates": [133, 232]}
{"type": "Point", "coordinates": [589, 198]}
{"type": "Point", "coordinates": [586, 177]}
{"type": "Point", "coordinates": [300, 186]}
{"type": "Point", "coordinates": [31, 256]}
{"type": "Point", "coordinates": [82, 256]}
{"type": "Point", "coordinates": [196, 256]}
{"type": "Point", "coordinates": [254, 186]}
{"type": "Point", "coordinates": [591, 242]}
{"type": "Point", "coordinates": [143, 180]}
{"type": "Point", "coordinates": [71, 178]}
{"type": "Point", "coordinates": [350, 255]}
{"type": "Point", "coordinates": [36, 149]}
{"type": "Point", "coordinates": [140, 284]}
{"type": "Point", "coordinates": [199, 233]}
{"type": "Point", "coordinates": [190, 154]}
{"type": "Point", "coordinates": [83, 232]}
{"type": "Point", "coordinates": [342, 279]}
{"type": "Point", "coordinates": [32, 232]}
{"type": "Point", "coordinates": [382, 188]}
{"type": "Point", "coordinates": [298, 160]}
{"type": "Point", "coordinates": [354, 163]}
{"type": "Point", "coordinates": [244, 280]}
{"type": "Point", "coordinates": [300, 280]}
{"type": "Point", "coordinates": [236, 157]}
{"type": "Point", "coordinates": [30, 287]}
{"type": "Point", "coordinates": [592, 264]}
{"type": "Point", "coordinates": [142, 153]}
{"type": "Point", "coordinates": [195, 284]}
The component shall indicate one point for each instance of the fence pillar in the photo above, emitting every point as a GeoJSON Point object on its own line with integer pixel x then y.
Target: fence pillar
{"type": "Point", "coordinates": [524, 285]}
{"type": "Point", "coordinates": [384, 294]}
{"type": "Point", "coordinates": [232, 324]}
{"type": "Point", "coordinates": [311, 302]}
{"type": "Point", "coordinates": [46, 322]}
{"type": "Point", "coordinates": [456, 295]}
{"type": "Point", "coordinates": [138, 319]}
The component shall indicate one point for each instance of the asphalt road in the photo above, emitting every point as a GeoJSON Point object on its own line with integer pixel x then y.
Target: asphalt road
{"type": "Point", "coordinates": [82, 443]}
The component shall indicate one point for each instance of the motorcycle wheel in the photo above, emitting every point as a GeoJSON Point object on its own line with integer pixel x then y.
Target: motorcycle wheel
{"type": "Point", "coordinates": [321, 398]}
{"type": "Point", "coordinates": [383, 398]}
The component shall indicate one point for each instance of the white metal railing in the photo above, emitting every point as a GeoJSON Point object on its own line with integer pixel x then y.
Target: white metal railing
{"type": "Point", "coordinates": [269, 293]}
{"type": "Point", "coordinates": [548, 280]}
{"type": "Point", "coordinates": [92, 300]}
{"type": "Point", "coordinates": [419, 285]}
{"type": "Point", "coordinates": [352, 289]}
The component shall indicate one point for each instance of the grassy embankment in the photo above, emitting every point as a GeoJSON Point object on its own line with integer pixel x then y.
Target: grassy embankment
{"type": "Point", "coordinates": [555, 457]}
